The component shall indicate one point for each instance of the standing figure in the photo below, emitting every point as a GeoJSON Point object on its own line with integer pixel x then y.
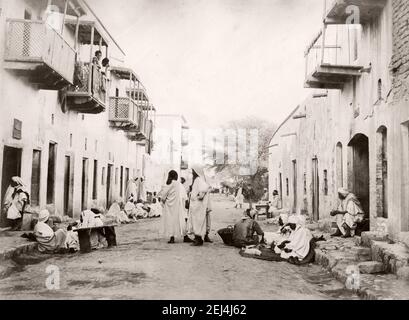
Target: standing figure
{"type": "Point", "coordinates": [239, 198]}
{"type": "Point", "coordinates": [199, 204]}
{"type": "Point", "coordinates": [173, 219]}
{"type": "Point", "coordinates": [131, 189]}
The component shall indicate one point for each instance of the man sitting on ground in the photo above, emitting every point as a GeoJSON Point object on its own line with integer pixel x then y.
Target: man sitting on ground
{"type": "Point", "coordinates": [247, 231]}
{"type": "Point", "coordinates": [348, 214]}
{"type": "Point", "coordinates": [297, 247]}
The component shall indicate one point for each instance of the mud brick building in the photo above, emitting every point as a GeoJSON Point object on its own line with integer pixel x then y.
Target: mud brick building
{"type": "Point", "coordinates": [353, 129]}
{"type": "Point", "coordinates": [74, 131]}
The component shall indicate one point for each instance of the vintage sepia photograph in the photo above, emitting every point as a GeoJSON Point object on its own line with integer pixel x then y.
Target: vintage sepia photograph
{"type": "Point", "coordinates": [204, 150]}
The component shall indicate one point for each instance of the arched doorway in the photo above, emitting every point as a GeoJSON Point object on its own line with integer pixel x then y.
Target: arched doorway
{"type": "Point", "coordinates": [359, 170]}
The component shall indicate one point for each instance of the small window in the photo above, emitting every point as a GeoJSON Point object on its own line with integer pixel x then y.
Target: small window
{"type": "Point", "coordinates": [86, 144]}
{"type": "Point", "coordinates": [379, 89]}
{"type": "Point", "coordinates": [287, 187]}
{"type": "Point", "coordinates": [326, 182]}
{"type": "Point", "coordinates": [17, 129]}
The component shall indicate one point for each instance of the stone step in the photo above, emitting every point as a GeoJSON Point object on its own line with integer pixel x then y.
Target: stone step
{"type": "Point", "coordinates": [394, 256]}
{"type": "Point", "coordinates": [371, 267]}
{"type": "Point", "coordinates": [368, 237]}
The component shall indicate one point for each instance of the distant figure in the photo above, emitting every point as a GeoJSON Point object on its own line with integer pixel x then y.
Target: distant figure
{"type": "Point", "coordinates": [275, 201]}
{"type": "Point", "coordinates": [239, 198]}
{"type": "Point", "coordinates": [96, 60]}
{"type": "Point", "coordinates": [348, 214]}
{"type": "Point", "coordinates": [265, 197]}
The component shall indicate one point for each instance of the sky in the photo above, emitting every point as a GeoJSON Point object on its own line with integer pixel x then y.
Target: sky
{"type": "Point", "coordinates": [216, 60]}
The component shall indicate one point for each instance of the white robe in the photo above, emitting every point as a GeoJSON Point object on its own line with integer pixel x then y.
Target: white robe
{"type": "Point", "coordinates": [173, 219]}
{"type": "Point", "coordinates": [199, 202]}
{"type": "Point", "coordinates": [131, 190]}
{"type": "Point", "coordinates": [299, 243]}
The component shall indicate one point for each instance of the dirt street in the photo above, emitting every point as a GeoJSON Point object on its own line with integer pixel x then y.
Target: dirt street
{"type": "Point", "coordinates": [144, 266]}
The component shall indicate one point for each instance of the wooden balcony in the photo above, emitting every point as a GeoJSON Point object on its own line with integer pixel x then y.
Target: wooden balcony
{"type": "Point", "coordinates": [338, 11]}
{"type": "Point", "coordinates": [35, 50]}
{"type": "Point", "coordinates": [143, 131]}
{"type": "Point", "coordinates": [124, 114]}
{"type": "Point", "coordinates": [89, 92]}
{"type": "Point", "coordinates": [337, 63]}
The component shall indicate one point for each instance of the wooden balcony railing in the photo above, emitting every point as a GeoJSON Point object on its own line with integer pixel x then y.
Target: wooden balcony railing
{"type": "Point", "coordinates": [335, 60]}
{"type": "Point", "coordinates": [124, 112]}
{"type": "Point", "coordinates": [36, 43]}
{"type": "Point", "coordinates": [89, 83]}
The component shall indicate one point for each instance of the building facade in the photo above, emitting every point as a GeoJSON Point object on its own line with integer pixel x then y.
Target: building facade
{"type": "Point", "coordinates": [352, 131]}
{"type": "Point", "coordinates": [171, 141]}
{"type": "Point", "coordinates": [74, 130]}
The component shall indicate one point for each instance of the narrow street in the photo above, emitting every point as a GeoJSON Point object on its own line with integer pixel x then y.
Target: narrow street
{"type": "Point", "coordinates": [144, 267]}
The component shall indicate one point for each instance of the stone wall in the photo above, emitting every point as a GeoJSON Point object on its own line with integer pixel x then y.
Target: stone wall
{"type": "Point", "coordinates": [400, 60]}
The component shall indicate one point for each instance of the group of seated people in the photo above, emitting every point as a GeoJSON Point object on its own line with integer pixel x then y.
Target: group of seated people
{"type": "Point", "coordinates": [291, 243]}
{"type": "Point", "coordinates": [135, 210]}
{"type": "Point", "coordinates": [52, 239]}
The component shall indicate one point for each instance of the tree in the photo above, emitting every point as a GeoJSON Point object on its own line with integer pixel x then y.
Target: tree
{"type": "Point", "coordinates": [257, 179]}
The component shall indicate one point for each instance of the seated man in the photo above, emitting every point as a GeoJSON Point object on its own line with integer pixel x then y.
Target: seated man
{"type": "Point", "coordinates": [348, 214]}
{"type": "Point", "coordinates": [297, 246]}
{"type": "Point", "coordinates": [48, 240]}
{"type": "Point", "coordinates": [247, 231]}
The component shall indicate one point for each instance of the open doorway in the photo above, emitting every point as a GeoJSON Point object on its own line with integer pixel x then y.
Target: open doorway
{"type": "Point", "coordinates": [11, 168]}
{"type": "Point", "coordinates": [109, 185]}
{"type": "Point", "coordinates": [359, 170]}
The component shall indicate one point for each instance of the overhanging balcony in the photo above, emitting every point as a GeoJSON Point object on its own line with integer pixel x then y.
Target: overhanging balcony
{"type": "Point", "coordinates": [333, 62]}
{"type": "Point", "coordinates": [341, 11]}
{"type": "Point", "coordinates": [36, 50]}
{"type": "Point", "coordinates": [124, 114]}
{"type": "Point", "coordinates": [141, 133]}
{"type": "Point", "coordinates": [89, 92]}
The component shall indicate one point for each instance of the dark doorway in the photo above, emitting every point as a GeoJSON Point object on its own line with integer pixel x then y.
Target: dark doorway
{"type": "Point", "coordinates": [84, 185]}
{"type": "Point", "coordinates": [35, 178]}
{"type": "Point", "coordinates": [109, 185]}
{"type": "Point", "coordinates": [360, 170]}
{"type": "Point", "coordinates": [52, 154]}
{"type": "Point", "coordinates": [315, 190]}
{"type": "Point", "coordinates": [11, 168]}
{"type": "Point", "coordinates": [67, 186]}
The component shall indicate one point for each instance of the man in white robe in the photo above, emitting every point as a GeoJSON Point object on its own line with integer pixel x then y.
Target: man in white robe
{"type": "Point", "coordinates": [348, 214]}
{"type": "Point", "coordinates": [173, 218]}
{"type": "Point", "coordinates": [199, 204]}
{"type": "Point", "coordinates": [298, 244]}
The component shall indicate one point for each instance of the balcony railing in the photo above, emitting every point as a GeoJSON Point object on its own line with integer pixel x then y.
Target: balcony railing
{"type": "Point", "coordinates": [35, 46]}
{"type": "Point", "coordinates": [352, 11]}
{"type": "Point", "coordinates": [89, 83]}
{"type": "Point", "coordinates": [124, 113]}
{"type": "Point", "coordinates": [338, 62]}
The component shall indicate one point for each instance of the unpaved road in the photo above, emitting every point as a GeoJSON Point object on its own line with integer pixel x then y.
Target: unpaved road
{"type": "Point", "coordinates": [144, 266]}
